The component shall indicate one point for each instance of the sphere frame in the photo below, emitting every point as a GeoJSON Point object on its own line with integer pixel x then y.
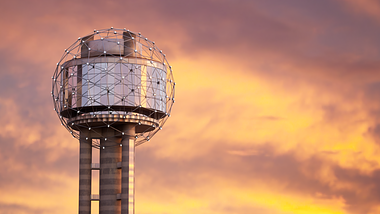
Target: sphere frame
{"type": "Point", "coordinates": [113, 77]}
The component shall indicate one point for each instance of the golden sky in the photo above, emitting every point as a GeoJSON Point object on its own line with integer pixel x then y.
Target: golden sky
{"type": "Point", "coordinates": [277, 106]}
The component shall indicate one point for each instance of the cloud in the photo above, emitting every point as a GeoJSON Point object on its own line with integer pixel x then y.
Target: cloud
{"type": "Point", "coordinates": [276, 107]}
{"type": "Point", "coordinates": [263, 172]}
{"type": "Point", "coordinates": [366, 7]}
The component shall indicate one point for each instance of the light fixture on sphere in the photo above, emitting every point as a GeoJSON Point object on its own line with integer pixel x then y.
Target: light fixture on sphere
{"type": "Point", "coordinates": [115, 86]}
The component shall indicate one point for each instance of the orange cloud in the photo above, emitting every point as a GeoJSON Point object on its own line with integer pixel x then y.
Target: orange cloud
{"type": "Point", "coordinates": [276, 107]}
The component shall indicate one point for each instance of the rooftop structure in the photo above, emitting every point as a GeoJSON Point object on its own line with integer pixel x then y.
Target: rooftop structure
{"type": "Point", "coordinates": [113, 90]}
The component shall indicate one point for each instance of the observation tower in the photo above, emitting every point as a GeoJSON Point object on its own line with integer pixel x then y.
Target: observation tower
{"type": "Point", "coordinates": [113, 90]}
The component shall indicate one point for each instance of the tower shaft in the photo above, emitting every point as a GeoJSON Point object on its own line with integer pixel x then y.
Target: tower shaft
{"type": "Point", "coordinates": [85, 160]}
{"type": "Point", "coordinates": [116, 175]}
{"type": "Point", "coordinates": [109, 176]}
{"type": "Point", "coordinates": [128, 175]}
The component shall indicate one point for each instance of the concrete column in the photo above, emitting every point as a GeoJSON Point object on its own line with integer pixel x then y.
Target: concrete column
{"type": "Point", "coordinates": [128, 170]}
{"type": "Point", "coordinates": [110, 176]}
{"type": "Point", "coordinates": [85, 160]}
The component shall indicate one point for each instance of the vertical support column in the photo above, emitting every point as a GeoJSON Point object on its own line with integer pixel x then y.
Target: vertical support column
{"type": "Point", "coordinates": [128, 171]}
{"type": "Point", "coordinates": [110, 151]}
{"type": "Point", "coordinates": [85, 159]}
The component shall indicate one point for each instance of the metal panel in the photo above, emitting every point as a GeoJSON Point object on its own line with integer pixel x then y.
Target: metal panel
{"type": "Point", "coordinates": [97, 48]}
{"type": "Point", "coordinates": [79, 87]}
{"type": "Point", "coordinates": [84, 91]}
{"type": "Point", "coordinates": [84, 47]}
{"type": "Point", "coordinates": [129, 43]}
{"type": "Point", "coordinates": [124, 84]}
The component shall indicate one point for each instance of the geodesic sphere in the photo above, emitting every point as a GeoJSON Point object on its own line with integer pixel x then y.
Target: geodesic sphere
{"type": "Point", "coordinates": [110, 78]}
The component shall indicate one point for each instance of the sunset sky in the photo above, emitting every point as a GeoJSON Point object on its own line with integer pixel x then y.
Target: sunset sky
{"type": "Point", "coordinates": [277, 106]}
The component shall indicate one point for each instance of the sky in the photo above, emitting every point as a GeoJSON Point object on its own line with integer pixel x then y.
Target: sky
{"type": "Point", "coordinates": [277, 106]}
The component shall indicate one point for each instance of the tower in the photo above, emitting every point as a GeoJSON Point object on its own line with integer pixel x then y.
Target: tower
{"type": "Point", "coordinates": [117, 87]}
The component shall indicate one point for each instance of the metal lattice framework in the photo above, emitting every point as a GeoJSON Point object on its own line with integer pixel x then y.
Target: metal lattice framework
{"type": "Point", "coordinates": [112, 77]}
